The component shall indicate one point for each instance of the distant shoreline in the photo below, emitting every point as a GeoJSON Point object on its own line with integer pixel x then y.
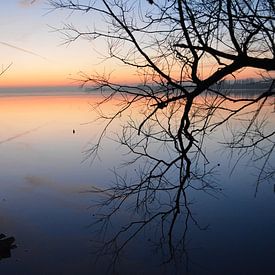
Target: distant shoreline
{"type": "Point", "coordinates": [77, 91]}
{"type": "Point", "coordinates": [44, 91]}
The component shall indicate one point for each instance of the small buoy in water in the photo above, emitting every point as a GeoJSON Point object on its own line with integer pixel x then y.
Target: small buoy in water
{"type": "Point", "coordinates": [73, 131]}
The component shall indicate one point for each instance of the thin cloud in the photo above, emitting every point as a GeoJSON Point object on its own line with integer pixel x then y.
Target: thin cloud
{"type": "Point", "coordinates": [26, 3]}
{"type": "Point", "coordinates": [22, 50]}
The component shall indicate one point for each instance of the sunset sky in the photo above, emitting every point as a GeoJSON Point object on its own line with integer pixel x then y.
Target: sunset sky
{"type": "Point", "coordinates": [37, 54]}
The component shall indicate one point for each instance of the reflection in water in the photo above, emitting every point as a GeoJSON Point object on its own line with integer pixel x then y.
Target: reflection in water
{"type": "Point", "coordinates": [44, 201]}
{"type": "Point", "coordinates": [171, 168]}
{"type": "Point", "coordinates": [20, 135]}
{"type": "Point", "coordinates": [164, 171]}
{"type": "Point", "coordinates": [6, 244]}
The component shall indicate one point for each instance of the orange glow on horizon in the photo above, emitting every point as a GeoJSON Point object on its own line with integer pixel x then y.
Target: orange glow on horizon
{"type": "Point", "coordinates": [35, 77]}
{"type": "Point", "coordinates": [29, 80]}
{"type": "Point", "coordinates": [120, 76]}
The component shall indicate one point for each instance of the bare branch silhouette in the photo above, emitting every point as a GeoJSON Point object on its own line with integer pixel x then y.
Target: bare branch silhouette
{"type": "Point", "coordinates": [184, 53]}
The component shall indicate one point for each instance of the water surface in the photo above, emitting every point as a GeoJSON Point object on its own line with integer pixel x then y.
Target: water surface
{"type": "Point", "coordinates": [45, 206]}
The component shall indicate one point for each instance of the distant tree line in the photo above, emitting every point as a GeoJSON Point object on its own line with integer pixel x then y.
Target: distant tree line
{"type": "Point", "coordinates": [244, 84]}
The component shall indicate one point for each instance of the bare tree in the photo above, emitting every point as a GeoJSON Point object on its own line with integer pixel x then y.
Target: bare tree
{"type": "Point", "coordinates": [183, 52]}
{"type": "Point", "coordinates": [4, 69]}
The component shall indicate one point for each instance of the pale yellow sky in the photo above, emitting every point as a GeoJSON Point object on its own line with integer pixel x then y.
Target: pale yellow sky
{"type": "Point", "coordinates": [35, 51]}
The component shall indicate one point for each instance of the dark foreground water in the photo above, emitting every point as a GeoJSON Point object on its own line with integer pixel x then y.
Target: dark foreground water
{"type": "Point", "coordinates": [45, 206]}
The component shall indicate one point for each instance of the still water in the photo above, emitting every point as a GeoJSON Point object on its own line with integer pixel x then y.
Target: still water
{"type": "Point", "coordinates": [45, 206]}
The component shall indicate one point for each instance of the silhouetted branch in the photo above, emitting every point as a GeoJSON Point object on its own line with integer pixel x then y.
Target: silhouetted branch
{"type": "Point", "coordinates": [183, 51]}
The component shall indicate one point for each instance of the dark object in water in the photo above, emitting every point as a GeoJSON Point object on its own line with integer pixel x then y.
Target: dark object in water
{"type": "Point", "coordinates": [73, 131]}
{"type": "Point", "coordinates": [6, 244]}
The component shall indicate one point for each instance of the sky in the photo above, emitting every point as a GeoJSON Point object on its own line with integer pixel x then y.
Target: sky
{"type": "Point", "coordinates": [36, 55]}
{"type": "Point", "coordinates": [27, 44]}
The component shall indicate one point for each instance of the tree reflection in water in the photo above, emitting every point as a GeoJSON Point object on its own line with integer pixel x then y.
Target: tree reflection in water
{"type": "Point", "coordinates": [183, 52]}
{"type": "Point", "coordinates": [154, 197]}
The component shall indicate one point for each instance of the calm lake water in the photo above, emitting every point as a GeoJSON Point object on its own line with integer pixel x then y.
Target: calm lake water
{"type": "Point", "coordinates": [45, 206]}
